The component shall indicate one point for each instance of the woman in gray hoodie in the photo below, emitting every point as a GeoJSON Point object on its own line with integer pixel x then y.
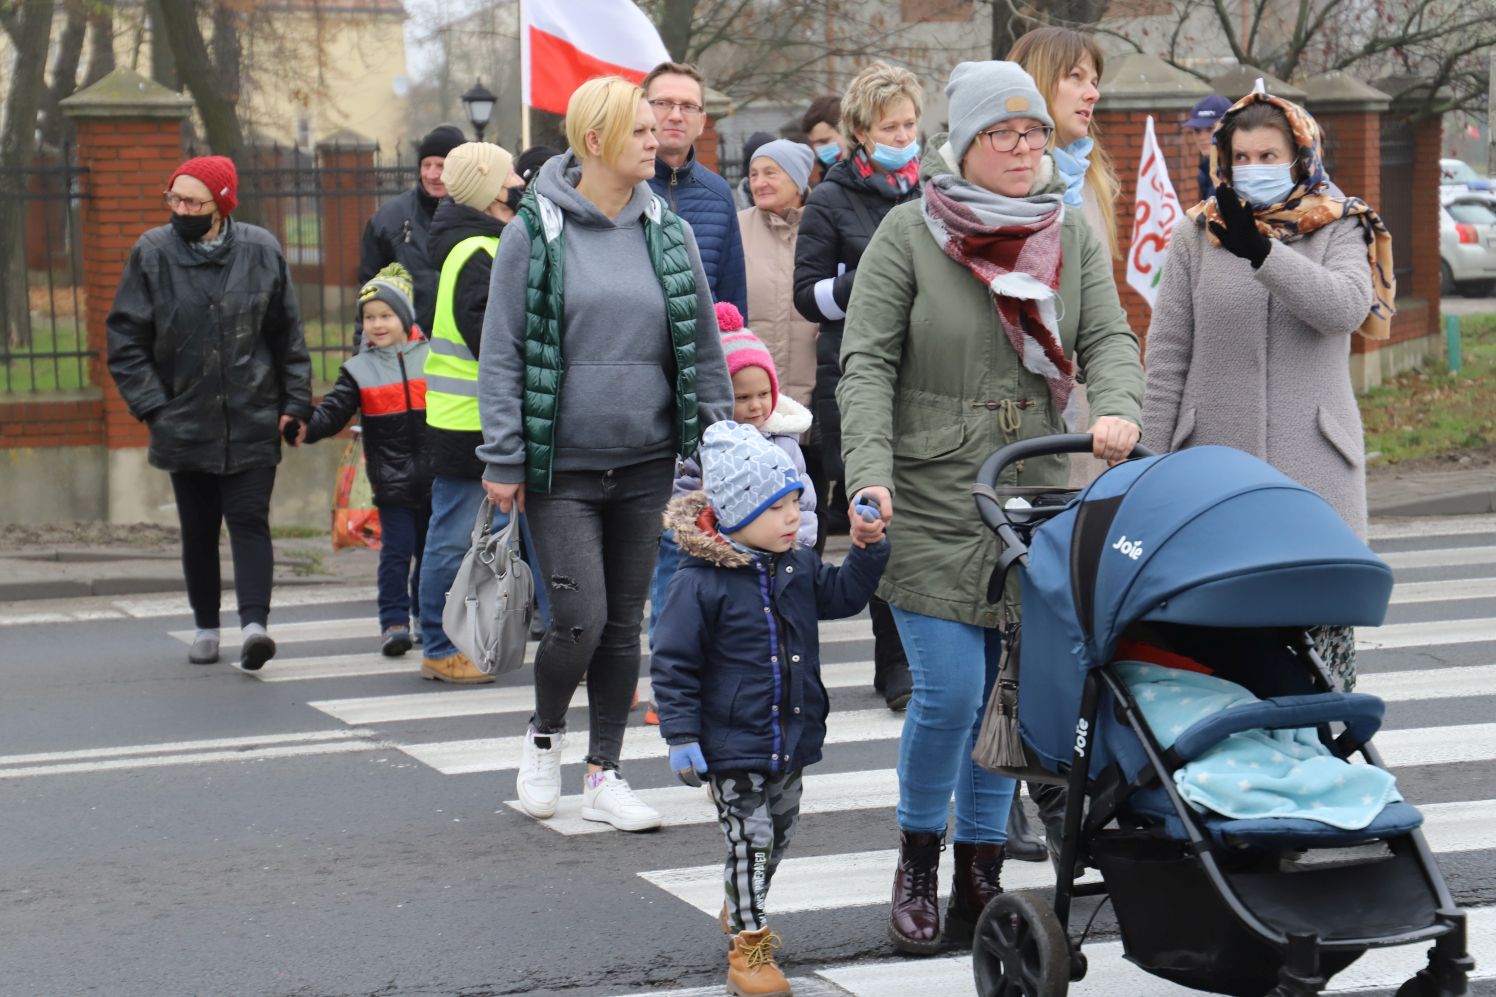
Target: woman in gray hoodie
{"type": "Point", "coordinates": [600, 366]}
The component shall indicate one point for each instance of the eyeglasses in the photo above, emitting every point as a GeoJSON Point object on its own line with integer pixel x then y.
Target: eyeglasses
{"type": "Point", "coordinates": [1006, 139]}
{"type": "Point", "coordinates": [662, 106]}
{"type": "Point", "coordinates": [192, 204]}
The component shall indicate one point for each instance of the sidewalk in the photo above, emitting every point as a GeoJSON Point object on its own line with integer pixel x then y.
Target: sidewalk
{"type": "Point", "coordinates": [67, 571]}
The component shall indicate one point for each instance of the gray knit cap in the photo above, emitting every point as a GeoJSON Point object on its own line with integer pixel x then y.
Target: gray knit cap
{"type": "Point", "coordinates": [983, 94]}
{"type": "Point", "coordinates": [743, 473]}
{"type": "Point", "coordinates": [795, 158]}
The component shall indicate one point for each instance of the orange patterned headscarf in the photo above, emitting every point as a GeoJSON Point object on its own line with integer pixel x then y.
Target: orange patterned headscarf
{"type": "Point", "coordinates": [1310, 206]}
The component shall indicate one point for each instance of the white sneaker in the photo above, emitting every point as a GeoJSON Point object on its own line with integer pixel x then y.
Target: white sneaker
{"type": "Point", "coordinates": [539, 780]}
{"type": "Point", "coordinates": [607, 798]}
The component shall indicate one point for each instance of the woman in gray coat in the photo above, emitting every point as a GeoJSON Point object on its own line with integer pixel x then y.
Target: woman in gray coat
{"type": "Point", "coordinates": [1260, 296]}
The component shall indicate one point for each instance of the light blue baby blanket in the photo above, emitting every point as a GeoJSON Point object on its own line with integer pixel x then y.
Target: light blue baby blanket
{"type": "Point", "coordinates": [1258, 773]}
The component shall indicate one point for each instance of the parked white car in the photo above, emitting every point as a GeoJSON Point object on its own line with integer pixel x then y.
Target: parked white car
{"type": "Point", "coordinates": [1458, 173]}
{"type": "Point", "coordinates": [1467, 246]}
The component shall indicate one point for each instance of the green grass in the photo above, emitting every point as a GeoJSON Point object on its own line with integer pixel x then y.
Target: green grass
{"type": "Point", "coordinates": [1430, 411]}
{"type": "Point", "coordinates": [29, 370]}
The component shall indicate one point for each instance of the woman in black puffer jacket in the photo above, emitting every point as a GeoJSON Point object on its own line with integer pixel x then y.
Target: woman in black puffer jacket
{"type": "Point", "coordinates": [880, 112]}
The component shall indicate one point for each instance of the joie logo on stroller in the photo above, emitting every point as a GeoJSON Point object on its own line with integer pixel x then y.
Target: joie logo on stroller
{"type": "Point", "coordinates": [1131, 548]}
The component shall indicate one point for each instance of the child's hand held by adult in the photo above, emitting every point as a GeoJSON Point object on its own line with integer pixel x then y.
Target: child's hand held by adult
{"type": "Point", "coordinates": [688, 763]}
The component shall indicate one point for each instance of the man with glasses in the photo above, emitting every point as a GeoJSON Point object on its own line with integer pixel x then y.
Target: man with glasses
{"type": "Point", "coordinates": [677, 92]}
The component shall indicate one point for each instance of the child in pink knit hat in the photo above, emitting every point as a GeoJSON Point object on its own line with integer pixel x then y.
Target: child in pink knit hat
{"type": "Point", "coordinates": [757, 403]}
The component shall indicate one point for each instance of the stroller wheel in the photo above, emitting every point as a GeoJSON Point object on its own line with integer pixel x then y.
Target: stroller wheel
{"type": "Point", "coordinates": [1421, 985]}
{"type": "Point", "coordinates": [1020, 949]}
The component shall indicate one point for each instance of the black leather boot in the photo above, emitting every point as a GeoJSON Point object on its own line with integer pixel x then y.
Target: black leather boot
{"type": "Point", "coordinates": [976, 880]}
{"type": "Point", "coordinates": [914, 920]}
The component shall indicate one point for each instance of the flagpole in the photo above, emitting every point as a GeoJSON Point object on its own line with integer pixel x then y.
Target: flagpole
{"type": "Point", "coordinates": [524, 69]}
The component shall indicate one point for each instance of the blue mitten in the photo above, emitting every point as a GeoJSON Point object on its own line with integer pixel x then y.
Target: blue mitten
{"type": "Point", "coordinates": [688, 763]}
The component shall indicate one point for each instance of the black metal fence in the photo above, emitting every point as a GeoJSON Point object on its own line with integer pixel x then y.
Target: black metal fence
{"type": "Point", "coordinates": [43, 329]}
{"type": "Point", "coordinates": [317, 205]}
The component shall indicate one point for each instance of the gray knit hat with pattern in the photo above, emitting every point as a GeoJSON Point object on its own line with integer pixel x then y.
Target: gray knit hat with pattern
{"type": "Point", "coordinates": [983, 94]}
{"type": "Point", "coordinates": [743, 473]}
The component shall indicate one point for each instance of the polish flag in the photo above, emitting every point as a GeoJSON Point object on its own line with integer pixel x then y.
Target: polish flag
{"type": "Point", "coordinates": [1154, 214]}
{"type": "Point", "coordinates": [565, 43]}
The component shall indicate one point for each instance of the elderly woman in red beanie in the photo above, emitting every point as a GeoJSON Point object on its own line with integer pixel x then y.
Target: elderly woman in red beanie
{"type": "Point", "coordinates": [205, 345]}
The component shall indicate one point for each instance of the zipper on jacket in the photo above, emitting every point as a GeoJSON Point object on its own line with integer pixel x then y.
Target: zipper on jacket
{"type": "Point", "coordinates": [784, 663]}
{"type": "Point", "coordinates": [410, 422]}
{"type": "Point", "coordinates": [777, 662]}
{"type": "Point", "coordinates": [674, 179]}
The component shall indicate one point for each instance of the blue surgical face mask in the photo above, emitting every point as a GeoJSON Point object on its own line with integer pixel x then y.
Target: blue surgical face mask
{"type": "Point", "coordinates": [892, 159]}
{"type": "Point", "coordinates": [828, 153]}
{"type": "Point", "coordinates": [1264, 184]}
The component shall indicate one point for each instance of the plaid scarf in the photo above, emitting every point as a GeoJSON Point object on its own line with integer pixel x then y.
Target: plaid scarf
{"type": "Point", "coordinates": [1012, 245]}
{"type": "Point", "coordinates": [1310, 206]}
{"type": "Point", "coordinates": [893, 185]}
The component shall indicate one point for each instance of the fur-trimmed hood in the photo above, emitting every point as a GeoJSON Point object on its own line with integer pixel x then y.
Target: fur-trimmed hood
{"type": "Point", "coordinates": [695, 524]}
{"type": "Point", "coordinates": [789, 418]}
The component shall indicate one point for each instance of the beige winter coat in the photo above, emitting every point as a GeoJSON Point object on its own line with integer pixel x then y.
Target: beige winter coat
{"type": "Point", "coordinates": [769, 254]}
{"type": "Point", "coordinates": [1258, 360]}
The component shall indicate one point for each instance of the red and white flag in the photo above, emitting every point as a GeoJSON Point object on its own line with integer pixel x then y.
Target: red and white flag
{"type": "Point", "coordinates": [565, 43]}
{"type": "Point", "coordinates": [1154, 215]}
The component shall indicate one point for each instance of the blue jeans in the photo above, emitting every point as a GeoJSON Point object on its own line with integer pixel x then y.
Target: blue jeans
{"type": "Point", "coordinates": [454, 509]}
{"type": "Point", "coordinates": [665, 567]}
{"type": "Point", "coordinates": [402, 539]}
{"type": "Point", "coordinates": [954, 666]}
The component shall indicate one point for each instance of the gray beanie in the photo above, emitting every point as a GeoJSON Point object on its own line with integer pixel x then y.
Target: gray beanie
{"type": "Point", "coordinates": [983, 94]}
{"type": "Point", "coordinates": [743, 473]}
{"type": "Point", "coordinates": [795, 158]}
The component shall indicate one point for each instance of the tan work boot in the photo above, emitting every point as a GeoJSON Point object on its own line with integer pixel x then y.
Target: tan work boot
{"type": "Point", "coordinates": [751, 970]}
{"type": "Point", "coordinates": [454, 668]}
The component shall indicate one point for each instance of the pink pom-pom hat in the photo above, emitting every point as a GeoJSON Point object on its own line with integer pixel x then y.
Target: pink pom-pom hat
{"type": "Point", "coordinates": [742, 348]}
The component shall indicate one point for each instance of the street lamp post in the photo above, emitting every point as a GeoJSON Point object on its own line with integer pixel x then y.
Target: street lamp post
{"type": "Point", "coordinates": [479, 103]}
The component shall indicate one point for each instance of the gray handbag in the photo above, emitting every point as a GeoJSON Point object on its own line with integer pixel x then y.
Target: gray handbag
{"type": "Point", "coordinates": [487, 615]}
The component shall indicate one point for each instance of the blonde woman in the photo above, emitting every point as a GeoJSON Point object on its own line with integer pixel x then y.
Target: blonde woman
{"type": "Point", "coordinates": [880, 112]}
{"type": "Point", "coordinates": [597, 290]}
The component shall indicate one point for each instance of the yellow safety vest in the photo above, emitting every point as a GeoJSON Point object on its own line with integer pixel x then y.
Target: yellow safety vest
{"type": "Point", "coordinates": [451, 368]}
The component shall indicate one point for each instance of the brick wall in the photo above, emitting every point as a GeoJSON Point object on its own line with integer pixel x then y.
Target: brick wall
{"type": "Point", "coordinates": [1353, 152]}
{"type": "Point", "coordinates": [52, 423]}
{"type": "Point", "coordinates": [1122, 135]}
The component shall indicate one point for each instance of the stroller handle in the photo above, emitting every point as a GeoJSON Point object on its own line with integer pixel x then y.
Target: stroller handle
{"type": "Point", "coordinates": [1039, 446]}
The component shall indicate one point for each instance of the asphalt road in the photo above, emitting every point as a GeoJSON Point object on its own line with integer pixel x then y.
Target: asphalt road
{"type": "Point", "coordinates": [334, 827]}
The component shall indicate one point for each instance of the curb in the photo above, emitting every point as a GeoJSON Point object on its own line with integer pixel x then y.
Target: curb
{"type": "Point", "coordinates": [78, 588]}
{"type": "Point", "coordinates": [1433, 493]}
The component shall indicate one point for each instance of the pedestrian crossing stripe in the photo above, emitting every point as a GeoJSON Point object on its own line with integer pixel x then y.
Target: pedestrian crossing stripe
{"type": "Point", "coordinates": [1439, 557]}
{"type": "Point", "coordinates": [1109, 973]}
{"type": "Point", "coordinates": [862, 879]}
{"type": "Point", "coordinates": [1401, 686]}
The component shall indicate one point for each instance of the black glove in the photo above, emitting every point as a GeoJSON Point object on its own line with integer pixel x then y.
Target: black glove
{"type": "Point", "coordinates": [1239, 236]}
{"type": "Point", "coordinates": [291, 429]}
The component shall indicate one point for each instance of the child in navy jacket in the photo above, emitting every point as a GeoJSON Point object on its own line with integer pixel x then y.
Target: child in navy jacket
{"type": "Point", "coordinates": [736, 664]}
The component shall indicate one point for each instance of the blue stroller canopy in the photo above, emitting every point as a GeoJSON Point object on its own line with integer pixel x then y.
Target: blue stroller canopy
{"type": "Point", "coordinates": [1209, 536]}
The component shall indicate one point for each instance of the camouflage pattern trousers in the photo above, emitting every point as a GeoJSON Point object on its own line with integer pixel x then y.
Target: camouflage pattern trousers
{"type": "Point", "coordinates": [758, 813]}
{"type": "Point", "coordinates": [1337, 649]}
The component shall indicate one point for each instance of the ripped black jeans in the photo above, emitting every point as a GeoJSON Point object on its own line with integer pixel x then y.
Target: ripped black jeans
{"type": "Point", "coordinates": [596, 535]}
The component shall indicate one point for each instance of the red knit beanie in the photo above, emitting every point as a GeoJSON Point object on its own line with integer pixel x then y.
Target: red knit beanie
{"type": "Point", "coordinates": [217, 173]}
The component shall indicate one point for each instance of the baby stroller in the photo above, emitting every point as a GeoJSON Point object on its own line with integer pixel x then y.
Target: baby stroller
{"type": "Point", "coordinates": [1218, 558]}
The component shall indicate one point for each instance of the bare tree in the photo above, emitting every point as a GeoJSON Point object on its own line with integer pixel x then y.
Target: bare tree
{"type": "Point", "coordinates": [184, 36]}
{"type": "Point", "coordinates": [1441, 41]}
{"type": "Point", "coordinates": [101, 42]}
{"type": "Point", "coordinates": [29, 25]}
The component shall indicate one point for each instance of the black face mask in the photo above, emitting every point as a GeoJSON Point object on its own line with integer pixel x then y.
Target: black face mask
{"type": "Point", "coordinates": [512, 197]}
{"type": "Point", "coordinates": [191, 227]}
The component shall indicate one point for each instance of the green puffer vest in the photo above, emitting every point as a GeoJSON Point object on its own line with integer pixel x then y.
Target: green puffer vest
{"type": "Point", "coordinates": [665, 239]}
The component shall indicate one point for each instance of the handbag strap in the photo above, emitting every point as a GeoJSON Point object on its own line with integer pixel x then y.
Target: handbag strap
{"type": "Point", "coordinates": [484, 522]}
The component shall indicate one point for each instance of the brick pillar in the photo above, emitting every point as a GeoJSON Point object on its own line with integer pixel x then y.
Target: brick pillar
{"type": "Point", "coordinates": [129, 142]}
{"type": "Point", "coordinates": [1349, 112]}
{"type": "Point", "coordinates": [1135, 87]}
{"type": "Point", "coordinates": [345, 162]}
{"type": "Point", "coordinates": [708, 147]}
{"type": "Point", "coordinates": [1428, 139]}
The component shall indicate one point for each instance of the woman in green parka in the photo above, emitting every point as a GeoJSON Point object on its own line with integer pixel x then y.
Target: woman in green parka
{"type": "Point", "coordinates": [974, 312]}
